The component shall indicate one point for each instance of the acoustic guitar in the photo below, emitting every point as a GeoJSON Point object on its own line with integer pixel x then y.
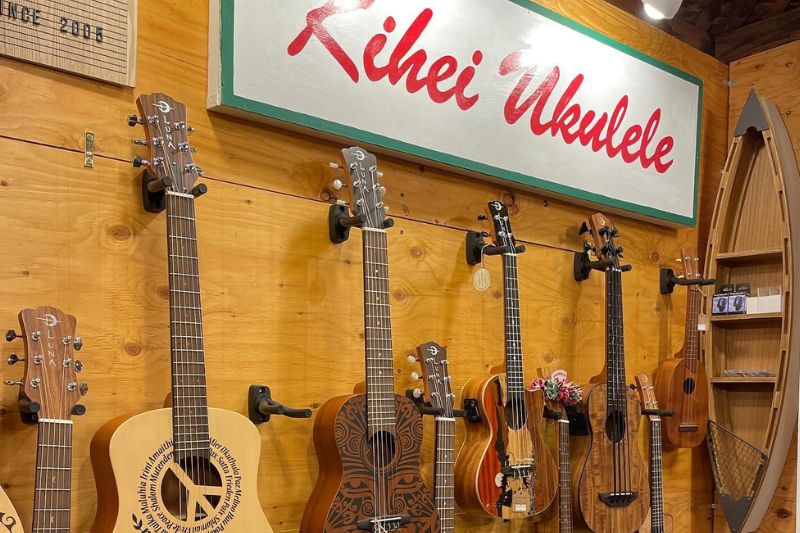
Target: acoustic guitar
{"type": "Point", "coordinates": [189, 468]}
{"type": "Point", "coordinates": [681, 383]}
{"type": "Point", "coordinates": [368, 445]}
{"type": "Point", "coordinates": [612, 488]}
{"type": "Point", "coordinates": [436, 377]}
{"type": "Point", "coordinates": [49, 394]}
{"type": "Point", "coordinates": [505, 468]}
{"type": "Point", "coordinates": [657, 521]}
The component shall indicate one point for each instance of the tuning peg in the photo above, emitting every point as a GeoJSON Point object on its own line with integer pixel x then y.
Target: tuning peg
{"type": "Point", "coordinates": [583, 229]}
{"type": "Point", "coordinates": [12, 383]}
{"type": "Point", "coordinates": [77, 343]}
{"type": "Point", "coordinates": [381, 190]}
{"type": "Point", "coordinates": [199, 190]}
{"type": "Point", "coordinates": [385, 208]}
{"type": "Point", "coordinates": [415, 376]}
{"type": "Point", "coordinates": [139, 162]}
{"type": "Point", "coordinates": [13, 359]}
{"type": "Point", "coordinates": [184, 147]}
{"type": "Point", "coordinates": [79, 410]}
{"type": "Point", "coordinates": [11, 335]}
{"type": "Point", "coordinates": [412, 359]}
{"type": "Point", "coordinates": [388, 223]}
{"type": "Point", "coordinates": [335, 165]}
{"type": "Point", "coordinates": [379, 174]}
{"type": "Point", "coordinates": [417, 393]}
{"type": "Point", "coordinates": [78, 366]}
{"type": "Point", "coordinates": [134, 120]}
{"type": "Point", "coordinates": [337, 184]}
{"type": "Point", "coordinates": [84, 388]}
{"type": "Point", "coordinates": [620, 249]}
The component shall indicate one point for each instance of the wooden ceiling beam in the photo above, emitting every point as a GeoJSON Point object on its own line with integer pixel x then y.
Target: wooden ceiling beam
{"type": "Point", "coordinates": [758, 36]}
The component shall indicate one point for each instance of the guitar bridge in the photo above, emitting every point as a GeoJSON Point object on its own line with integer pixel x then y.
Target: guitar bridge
{"type": "Point", "coordinates": [618, 499]}
{"type": "Point", "coordinates": [382, 525]}
{"type": "Point", "coordinates": [687, 428]}
{"type": "Point", "coordinates": [518, 471]}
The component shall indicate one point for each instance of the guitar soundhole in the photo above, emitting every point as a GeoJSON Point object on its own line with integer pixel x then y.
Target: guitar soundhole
{"type": "Point", "coordinates": [615, 426]}
{"type": "Point", "coordinates": [515, 413]}
{"type": "Point", "coordinates": [688, 386]}
{"type": "Point", "coordinates": [177, 496]}
{"type": "Point", "coordinates": [381, 449]}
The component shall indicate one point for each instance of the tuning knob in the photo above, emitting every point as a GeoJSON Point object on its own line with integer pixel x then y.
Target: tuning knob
{"type": "Point", "coordinates": [337, 184]}
{"type": "Point", "coordinates": [139, 142]}
{"type": "Point", "coordinates": [77, 343]}
{"type": "Point", "coordinates": [381, 190]}
{"type": "Point", "coordinates": [11, 335]}
{"type": "Point", "coordinates": [134, 120]}
{"type": "Point", "coordinates": [379, 174]}
{"type": "Point", "coordinates": [417, 393]}
{"type": "Point", "coordinates": [138, 161]}
{"type": "Point", "coordinates": [415, 376]}
{"type": "Point", "coordinates": [78, 366]}
{"type": "Point", "coordinates": [385, 208]}
{"type": "Point", "coordinates": [13, 359]}
{"type": "Point", "coordinates": [84, 388]}
{"type": "Point", "coordinates": [412, 359]}
{"type": "Point", "coordinates": [79, 410]}
{"type": "Point", "coordinates": [334, 165]}
{"type": "Point", "coordinates": [12, 383]}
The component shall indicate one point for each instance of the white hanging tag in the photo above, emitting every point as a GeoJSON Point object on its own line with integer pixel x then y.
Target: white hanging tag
{"type": "Point", "coordinates": [481, 279]}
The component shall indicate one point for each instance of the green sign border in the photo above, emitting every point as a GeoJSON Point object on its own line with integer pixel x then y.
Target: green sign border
{"type": "Point", "coordinates": [228, 98]}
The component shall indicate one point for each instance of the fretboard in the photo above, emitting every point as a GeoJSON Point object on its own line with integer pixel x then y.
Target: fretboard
{"type": "Point", "coordinates": [564, 479]}
{"type": "Point", "coordinates": [443, 472]}
{"type": "Point", "coordinates": [615, 344]}
{"type": "Point", "coordinates": [189, 400]}
{"type": "Point", "coordinates": [656, 486]}
{"type": "Point", "coordinates": [378, 333]}
{"type": "Point", "coordinates": [515, 380]}
{"type": "Point", "coordinates": [53, 483]}
{"type": "Point", "coordinates": [692, 335]}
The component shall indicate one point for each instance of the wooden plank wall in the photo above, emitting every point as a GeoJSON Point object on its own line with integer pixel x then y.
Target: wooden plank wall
{"type": "Point", "coordinates": [775, 75]}
{"type": "Point", "coordinates": [283, 305]}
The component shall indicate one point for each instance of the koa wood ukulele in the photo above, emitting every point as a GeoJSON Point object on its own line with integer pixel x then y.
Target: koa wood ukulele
{"type": "Point", "coordinates": [612, 489]}
{"type": "Point", "coordinates": [436, 378]}
{"type": "Point", "coordinates": [49, 394]}
{"type": "Point", "coordinates": [657, 522]}
{"type": "Point", "coordinates": [504, 466]}
{"type": "Point", "coordinates": [368, 445]}
{"type": "Point", "coordinates": [681, 383]}
{"type": "Point", "coordinates": [189, 468]}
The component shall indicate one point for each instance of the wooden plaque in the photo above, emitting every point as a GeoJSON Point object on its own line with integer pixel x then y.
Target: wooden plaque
{"type": "Point", "coordinates": [94, 38]}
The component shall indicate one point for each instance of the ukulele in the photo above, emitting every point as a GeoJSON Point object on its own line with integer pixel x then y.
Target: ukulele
{"type": "Point", "coordinates": [559, 414]}
{"type": "Point", "coordinates": [187, 468]}
{"type": "Point", "coordinates": [505, 468]}
{"type": "Point", "coordinates": [681, 383]}
{"type": "Point", "coordinates": [368, 445]}
{"type": "Point", "coordinates": [49, 394]}
{"type": "Point", "coordinates": [657, 521]}
{"type": "Point", "coordinates": [612, 490]}
{"type": "Point", "coordinates": [436, 377]}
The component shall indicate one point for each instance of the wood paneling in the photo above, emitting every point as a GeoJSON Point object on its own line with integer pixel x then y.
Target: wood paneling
{"type": "Point", "coordinates": [283, 305]}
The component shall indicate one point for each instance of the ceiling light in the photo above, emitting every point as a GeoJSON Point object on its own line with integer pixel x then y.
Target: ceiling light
{"type": "Point", "coordinates": [661, 9]}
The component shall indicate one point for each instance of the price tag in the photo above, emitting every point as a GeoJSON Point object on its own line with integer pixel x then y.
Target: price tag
{"type": "Point", "coordinates": [702, 322]}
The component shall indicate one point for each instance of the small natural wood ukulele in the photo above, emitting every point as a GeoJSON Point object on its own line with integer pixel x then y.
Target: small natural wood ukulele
{"type": "Point", "coordinates": [657, 521]}
{"type": "Point", "coordinates": [565, 524]}
{"type": "Point", "coordinates": [368, 444]}
{"type": "Point", "coordinates": [612, 489]}
{"type": "Point", "coordinates": [504, 466]}
{"type": "Point", "coordinates": [49, 394]}
{"type": "Point", "coordinates": [436, 378]}
{"type": "Point", "coordinates": [189, 468]}
{"type": "Point", "coordinates": [681, 383]}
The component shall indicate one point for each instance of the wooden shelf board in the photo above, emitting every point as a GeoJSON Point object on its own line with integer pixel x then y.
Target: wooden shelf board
{"type": "Point", "coordinates": [730, 380]}
{"type": "Point", "coordinates": [750, 256]}
{"type": "Point", "coordinates": [746, 318]}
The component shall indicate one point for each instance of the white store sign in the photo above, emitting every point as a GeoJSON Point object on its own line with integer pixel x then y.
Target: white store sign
{"type": "Point", "coordinates": [498, 88]}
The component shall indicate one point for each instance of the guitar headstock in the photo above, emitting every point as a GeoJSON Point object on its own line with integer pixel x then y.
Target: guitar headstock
{"type": "Point", "coordinates": [690, 263]}
{"type": "Point", "coordinates": [50, 378]}
{"type": "Point", "coordinates": [167, 141]}
{"type": "Point", "coordinates": [364, 191]}
{"type": "Point", "coordinates": [500, 224]}
{"type": "Point", "coordinates": [604, 238]}
{"type": "Point", "coordinates": [436, 376]}
{"type": "Point", "coordinates": [647, 395]}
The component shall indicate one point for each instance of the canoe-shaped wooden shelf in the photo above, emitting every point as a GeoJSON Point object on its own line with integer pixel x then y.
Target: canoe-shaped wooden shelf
{"type": "Point", "coordinates": [755, 232]}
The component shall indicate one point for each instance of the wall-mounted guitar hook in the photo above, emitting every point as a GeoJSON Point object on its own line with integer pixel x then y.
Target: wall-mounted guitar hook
{"type": "Point", "coordinates": [658, 412]}
{"type": "Point", "coordinates": [476, 245]}
{"type": "Point", "coordinates": [154, 197]}
{"type": "Point", "coordinates": [583, 266]}
{"type": "Point", "coordinates": [340, 222]}
{"type": "Point", "coordinates": [668, 280]}
{"type": "Point", "coordinates": [425, 408]}
{"type": "Point", "coordinates": [261, 406]}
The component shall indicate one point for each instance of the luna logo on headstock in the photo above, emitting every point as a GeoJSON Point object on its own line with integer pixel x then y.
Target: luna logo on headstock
{"type": "Point", "coordinates": [436, 377]}
{"type": "Point", "coordinates": [49, 388]}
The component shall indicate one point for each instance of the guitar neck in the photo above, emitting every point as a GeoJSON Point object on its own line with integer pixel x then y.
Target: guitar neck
{"type": "Point", "coordinates": [656, 485]}
{"type": "Point", "coordinates": [615, 343]}
{"type": "Point", "coordinates": [564, 479]}
{"type": "Point", "coordinates": [378, 333]}
{"type": "Point", "coordinates": [53, 483]}
{"type": "Point", "coordinates": [515, 380]}
{"type": "Point", "coordinates": [189, 399]}
{"type": "Point", "coordinates": [691, 343]}
{"type": "Point", "coordinates": [443, 472]}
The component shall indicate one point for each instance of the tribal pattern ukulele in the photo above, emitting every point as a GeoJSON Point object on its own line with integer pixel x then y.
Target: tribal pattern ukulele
{"type": "Point", "coordinates": [657, 521]}
{"type": "Point", "coordinates": [505, 469]}
{"type": "Point", "coordinates": [681, 382]}
{"type": "Point", "coordinates": [189, 468]}
{"type": "Point", "coordinates": [49, 394]}
{"type": "Point", "coordinates": [368, 445]}
{"type": "Point", "coordinates": [612, 488]}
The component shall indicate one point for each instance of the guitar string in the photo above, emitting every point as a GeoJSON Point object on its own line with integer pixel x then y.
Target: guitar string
{"type": "Point", "coordinates": [621, 383]}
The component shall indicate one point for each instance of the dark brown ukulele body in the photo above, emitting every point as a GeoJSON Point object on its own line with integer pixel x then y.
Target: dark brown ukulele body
{"type": "Point", "coordinates": [345, 493]}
